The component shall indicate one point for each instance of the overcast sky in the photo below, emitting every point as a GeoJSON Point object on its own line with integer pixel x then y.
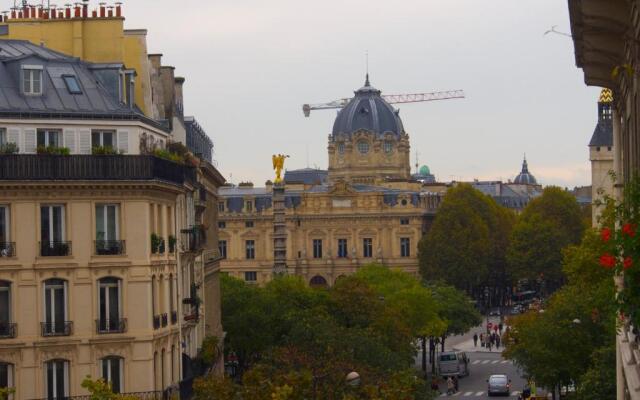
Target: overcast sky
{"type": "Point", "coordinates": [251, 64]}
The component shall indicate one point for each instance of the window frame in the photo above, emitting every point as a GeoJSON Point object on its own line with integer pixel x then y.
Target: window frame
{"type": "Point", "coordinates": [221, 206]}
{"type": "Point", "coordinates": [109, 360]}
{"type": "Point", "coordinates": [101, 134]}
{"type": "Point", "coordinates": [5, 231]}
{"type": "Point", "coordinates": [367, 247]}
{"type": "Point", "coordinates": [248, 224]}
{"type": "Point", "coordinates": [222, 248]}
{"type": "Point", "coordinates": [105, 215]}
{"type": "Point", "coordinates": [387, 146]}
{"type": "Point", "coordinates": [404, 221]}
{"type": "Point", "coordinates": [405, 247]}
{"type": "Point", "coordinates": [49, 295]}
{"type": "Point", "coordinates": [3, 136]}
{"type": "Point", "coordinates": [29, 73]}
{"type": "Point", "coordinates": [251, 274]}
{"type": "Point", "coordinates": [67, 78]}
{"type": "Point", "coordinates": [343, 248]}
{"type": "Point", "coordinates": [363, 145]}
{"type": "Point", "coordinates": [250, 249]}
{"type": "Point", "coordinates": [47, 133]}
{"type": "Point", "coordinates": [65, 378]}
{"type": "Point", "coordinates": [63, 214]}
{"type": "Point", "coordinates": [248, 205]}
{"type": "Point", "coordinates": [341, 148]}
{"type": "Point", "coordinates": [5, 286]}
{"type": "Point", "coordinates": [316, 245]}
{"type": "Point", "coordinates": [10, 368]}
{"type": "Point", "coordinates": [103, 284]}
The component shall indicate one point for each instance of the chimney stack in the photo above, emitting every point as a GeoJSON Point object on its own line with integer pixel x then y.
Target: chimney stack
{"type": "Point", "coordinates": [178, 99]}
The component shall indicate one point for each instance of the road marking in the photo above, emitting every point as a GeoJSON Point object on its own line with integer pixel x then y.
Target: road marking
{"type": "Point", "coordinates": [468, 394]}
{"type": "Point", "coordinates": [495, 361]}
{"type": "Point", "coordinates": [456, 394]}
{"type": "Point", "coordinates": [515, 393]}
{"type": "Point", "coordinates": [479, 394]}
{"type": "Point", "coordinates": [475, 362]}
{"type": "Point", "coordinates": [505, 362]}
{"type": "Point", "coordinates": [486, 361]}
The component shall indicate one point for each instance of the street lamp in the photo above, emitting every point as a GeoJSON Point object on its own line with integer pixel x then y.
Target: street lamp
{"type": "Point", "coordinates": [353, 379]}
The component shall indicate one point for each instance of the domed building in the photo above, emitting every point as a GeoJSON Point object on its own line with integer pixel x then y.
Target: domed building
{"type": "Point", "coordinates": [525, 177]}
{"type": "Point", "coordinates": [367, 207]}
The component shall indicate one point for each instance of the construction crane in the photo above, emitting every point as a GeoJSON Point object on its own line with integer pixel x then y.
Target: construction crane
{"type": "Point", "coordinates": [390, 98]}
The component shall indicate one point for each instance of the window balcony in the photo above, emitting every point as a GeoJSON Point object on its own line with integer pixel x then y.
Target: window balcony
{"type": "Point", "coordinates": [174, 317]}
{"type": "Point", "coordinates": [7, 249]}
{"type": "Point", "coordinates": [200, 198]}
{"type": "Point", "coordinates": [165, 320]}
{"type": "Point", "coordinates": [104, 326]}
{"type": "Point", "coordinates": [110, 247]}
{"type": "Point", "coordinates": [55, 249]}
{"type": "Point", "coordinates": [58, 328]}
{"type": "Point", "coordinates": [42, 167]}
{"type": "Point", "coordinates": [8, 330]}
{"type": "Point", "coordinates": [156, 322]}
{"type": "Point", "coordinates": [193, 239]}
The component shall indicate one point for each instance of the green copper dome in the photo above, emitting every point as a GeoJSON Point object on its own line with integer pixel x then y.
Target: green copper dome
{"type": "Point", "coordinates": [424, 170]}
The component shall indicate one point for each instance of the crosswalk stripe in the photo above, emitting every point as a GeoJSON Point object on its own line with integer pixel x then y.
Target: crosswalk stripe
{"type": "Point", "coordinates": [468, 394]}
{"type": "Point", "coordinates": [456, 394]}
{"type": "Point", "coordinates": [443, 395]}
{"type": "Point", "coordinates": [495, 361]}
{"type": "Point", "coordinates": [515, 393]}
{"type": "Point", "coordinates": [486, 361]}
{"type": "Point", "coordinates": [504, 362]}
{"type": "Point", "coordinates": [475, 362]}
{"type": "Point", "coordinates": [479, 394]}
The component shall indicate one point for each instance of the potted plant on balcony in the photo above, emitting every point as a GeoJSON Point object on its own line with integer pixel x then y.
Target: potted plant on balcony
{"type": "Point", "coordinates": [9, 148]}
{"type": "Point", "coordinates": [53, 150]}
{"type": "Point", "coordinates": [155, 243]}
{"type": "Point", "coordinates": [172, 244]}
{"type": "Point", "coordinates": [105, 151]}
{"type": "Point", "coordinates": [161, 246]}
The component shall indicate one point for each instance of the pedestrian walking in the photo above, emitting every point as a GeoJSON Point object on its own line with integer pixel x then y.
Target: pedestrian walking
{"type": "Point", "coordinates": [475, 340]}
{"type": "Point", "coordinates": [450, 387]}
{"type": "Point", "coordinates": [500, 326]}
{"type": "Point", "coordinates": [455, 383]}
{"type": "Point", "coordinates": [489, 344]}
{"type": "Point", "coordinates": [497, 341]}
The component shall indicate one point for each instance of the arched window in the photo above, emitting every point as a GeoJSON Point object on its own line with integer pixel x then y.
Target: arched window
{"type": "Point", "coordinates": [388, 146]}
{"type": "Point", "coordinates": [7, 329]}
{"type": "Point", "coordinates": [363, 147]}
{"type": "Point", "coordinates": [113, 372]}
{"type": "Point", "coordinates": [110, 306]}
{"type": "Point", "coordinates": [341, 148]}
{"type": "Point", "coordinates": [57, 379]}
{"type": "Point", "coordinates": [55, 308]}
{"type": "Point", "coordinates": [318, 282]}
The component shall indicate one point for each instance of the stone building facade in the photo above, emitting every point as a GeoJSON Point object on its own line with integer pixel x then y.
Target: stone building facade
{"type": "Point", "coordinates": [108, 262]}
{"type": "Point", "coordinates": [366, 208]}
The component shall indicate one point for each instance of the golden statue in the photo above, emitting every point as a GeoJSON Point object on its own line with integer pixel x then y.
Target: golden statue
{"type": "Point", "coordinates": [278, 166]}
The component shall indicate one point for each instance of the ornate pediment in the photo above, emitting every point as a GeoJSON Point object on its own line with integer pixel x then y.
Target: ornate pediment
{"type": "Point", "coordinates": [341, 188]}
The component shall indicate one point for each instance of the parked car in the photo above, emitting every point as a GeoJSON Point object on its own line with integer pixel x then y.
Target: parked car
{"type": "Point", "coordinates": [453, 363]}
{"type": "Point", "coordinates": [499, 385]}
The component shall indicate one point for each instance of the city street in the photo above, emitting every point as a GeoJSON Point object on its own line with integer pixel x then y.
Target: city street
{"type": "Point", "coordinates": [482, 364]}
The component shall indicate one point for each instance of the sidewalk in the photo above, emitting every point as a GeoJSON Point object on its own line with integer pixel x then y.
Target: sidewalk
{"type": "Point", "coordinates": [468, 346]}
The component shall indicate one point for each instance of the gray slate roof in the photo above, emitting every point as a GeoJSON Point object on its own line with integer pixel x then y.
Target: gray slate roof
{"type": "Point", "coordinates": [308, 176]}
{"type": "Point", "coordinates": [95, 101]}
{"type": "Point", "coordinates": [603, 134]}
{"type": "Point", "coordinates": [367, 110]}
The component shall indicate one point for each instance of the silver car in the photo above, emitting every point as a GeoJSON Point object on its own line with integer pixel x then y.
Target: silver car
{"type": "Point", "coordinates": [499, 385]}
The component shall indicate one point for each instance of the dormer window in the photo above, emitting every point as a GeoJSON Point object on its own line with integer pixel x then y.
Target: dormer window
{"type": "Point", "coordinates": [72, 84]}
{"type": "Point", "coordinates": [32, 80]}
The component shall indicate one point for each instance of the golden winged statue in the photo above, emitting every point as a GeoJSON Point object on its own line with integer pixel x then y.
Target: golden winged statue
{"type": "Point", "coordinates": [278, 166]}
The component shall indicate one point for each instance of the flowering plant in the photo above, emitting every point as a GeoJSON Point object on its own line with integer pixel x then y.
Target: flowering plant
{"type": "Point", "coordinates": [620, 237]}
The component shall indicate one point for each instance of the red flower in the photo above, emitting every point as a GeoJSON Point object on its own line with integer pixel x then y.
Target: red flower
{"type": "Point", "coordinates": [607, 260]}
{"type": "Point", "coordinates": [627, 263]}
{"type": "Point", "coordinates": [605, 234]}
{"type": "Point", "coordinates": [629, 230]}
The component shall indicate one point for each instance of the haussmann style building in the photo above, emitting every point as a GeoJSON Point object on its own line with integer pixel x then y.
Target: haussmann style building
{"type": "Point", "coordinates": [108, 252]}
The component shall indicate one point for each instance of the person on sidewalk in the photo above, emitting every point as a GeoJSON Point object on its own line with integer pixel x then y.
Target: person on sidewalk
{"type": "Point", "coordinates": [497, 341]}
{"type": "Point", "coordinates": [450, 387]}
{"type": "Point", "coordinates": [475, 340]}
{"type": "Point", "coordinates": [482, 339]}
{"type": "Point", "coordinates": [500, 326]}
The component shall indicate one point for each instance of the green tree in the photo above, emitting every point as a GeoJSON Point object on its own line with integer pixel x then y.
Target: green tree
{"type": "Point", "coordinates": [547, 225]}
{"type": "Point", "coordinates": [467, 243]}
{"type": "Point", "coordinates": [456, 309]}
{"type": "Point", "coordinates": [599, 382]}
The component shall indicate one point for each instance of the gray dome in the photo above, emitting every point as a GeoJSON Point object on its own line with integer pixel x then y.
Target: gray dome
{"type": "Point", "coordinates": [367, 110]}
{"type": "Point", "coordinates": [525, 178]}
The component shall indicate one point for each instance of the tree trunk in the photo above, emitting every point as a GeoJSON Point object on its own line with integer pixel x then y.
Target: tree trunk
{"type": "Point", "coordinates": [424, 356]}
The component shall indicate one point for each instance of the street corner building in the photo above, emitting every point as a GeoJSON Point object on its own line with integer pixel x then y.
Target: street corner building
{"type": "Point", "coordinates": [366, 208]}
{"type": "Point", "coordinates": [108, 210]}
{"type": "Point", "coordinates": [606, 35]}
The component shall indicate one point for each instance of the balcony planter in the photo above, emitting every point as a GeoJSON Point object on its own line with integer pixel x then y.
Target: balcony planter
{"type": "Point", "coordinates": [55, 151]}
{"type": "Point", "coordinates": [9, 148]}
{"type": "Point", "coordinates": [172, 244]}
{"type": "Point", "coordinates": [155, 243]}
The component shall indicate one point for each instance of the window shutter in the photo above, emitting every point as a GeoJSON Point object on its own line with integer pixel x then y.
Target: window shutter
{"type": "Point", "coordinates": [30, 140]}
{"type": "Point", "coordinates": [123, 141]}
{"type": "Point", "coordinates": [70, 140]}
{"type": "Point", "coordinates": [84, 142]}
{"type": "Point", "coordinates": [13, 136]}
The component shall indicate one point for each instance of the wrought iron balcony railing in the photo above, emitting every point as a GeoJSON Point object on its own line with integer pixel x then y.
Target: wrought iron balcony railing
{"type": "Point", "coordinates": [42, 167]}
{"type": "Point", "coordinates": [193, 239]}
{"type": "Point", "coordinates": [57, 328]}
{"type": "Point", "coordinates": [111, 325]}
{"type": "Point", "coordinates": [7, 249]}
{"type": "Point", "coordinates": [8, 330]}
{"type": "Point", "coordinates": [110, 247]}
{"type": "Point", "coordinates": [55, 249]}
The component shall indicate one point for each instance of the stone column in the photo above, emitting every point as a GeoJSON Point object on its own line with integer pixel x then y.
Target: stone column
{"type": "Point", "coordinates": [279, 231]}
